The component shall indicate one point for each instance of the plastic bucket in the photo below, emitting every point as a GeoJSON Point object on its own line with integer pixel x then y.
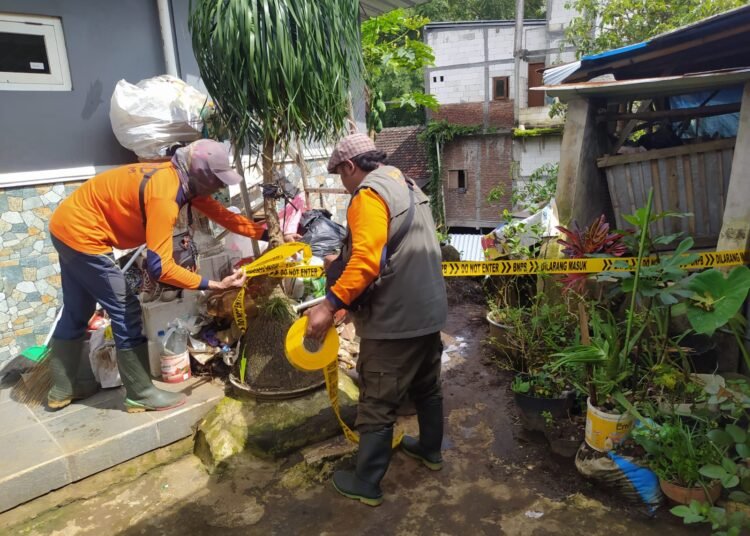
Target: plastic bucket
{"type": "Point", "coordinates": [605, 430]}
{"type": "Point", "coordinates": [175, 368]}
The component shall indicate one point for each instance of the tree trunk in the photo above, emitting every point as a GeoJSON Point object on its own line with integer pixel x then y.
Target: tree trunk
{"type": "Point", "coordinates": [243, 191]}
{"type": "Point", "coordinates": [275, 237]}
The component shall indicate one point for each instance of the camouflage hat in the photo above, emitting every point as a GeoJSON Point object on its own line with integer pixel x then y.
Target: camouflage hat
{"type": "Point", "coordinates": [349, 147]}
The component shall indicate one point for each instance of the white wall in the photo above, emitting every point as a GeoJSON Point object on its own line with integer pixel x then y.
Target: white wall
{"type": "Point", "coordinates": [456, 46]}
{"type": "Point", "coordinates": [533, 153]}
{"type": "Point", "coordinates": [458, 85]}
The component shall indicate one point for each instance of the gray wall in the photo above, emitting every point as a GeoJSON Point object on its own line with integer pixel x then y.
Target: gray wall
{"type": "Point", "coordinates": [106, 40]}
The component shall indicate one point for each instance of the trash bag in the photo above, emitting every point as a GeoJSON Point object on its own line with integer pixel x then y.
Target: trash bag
{"type": "Point", "coordinates": [623, 474]}
{"type": "Point", "coordinates": [324, 235]}
{"type": "Point", "coordinates": [154, 114]}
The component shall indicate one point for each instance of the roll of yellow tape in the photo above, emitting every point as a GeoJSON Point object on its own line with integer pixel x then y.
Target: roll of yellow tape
{"type": "Point", "coordinates": [310, 355]}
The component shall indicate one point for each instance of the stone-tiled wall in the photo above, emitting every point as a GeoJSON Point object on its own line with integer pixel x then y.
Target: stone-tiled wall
{"type": "Point", "coordinates": [29, 271]}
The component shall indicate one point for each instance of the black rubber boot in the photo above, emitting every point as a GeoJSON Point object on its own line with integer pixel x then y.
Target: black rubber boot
{"type": "Point", "coordinates": [373, 458]}
{"type": "Point", "coordinates": [426, 448]}
{"type": "Point", "coordinates": [72, 377]}
{"type": "Point", "coordinates": [140, 392]}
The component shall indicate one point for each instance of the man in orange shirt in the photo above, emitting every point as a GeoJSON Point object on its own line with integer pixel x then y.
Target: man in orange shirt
{"type": "Point", "coordinates": [123, 208]}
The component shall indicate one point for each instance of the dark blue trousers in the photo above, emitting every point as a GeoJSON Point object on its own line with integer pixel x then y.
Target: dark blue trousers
{"type": "Point", "coordinates": [91, 279]}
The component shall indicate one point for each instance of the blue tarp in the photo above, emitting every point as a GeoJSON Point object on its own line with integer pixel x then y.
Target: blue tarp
{"type": "Point", "coordinates": [721, 126]}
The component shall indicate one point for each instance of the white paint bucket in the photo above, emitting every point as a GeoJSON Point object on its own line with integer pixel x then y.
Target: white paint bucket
{"type": "Point", "coordinates": [175, 368]}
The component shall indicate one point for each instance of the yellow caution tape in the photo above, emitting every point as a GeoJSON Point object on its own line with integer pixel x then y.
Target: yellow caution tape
{"type": "Point", "coordinates": [273, 260]}
{"type": "Point", "coordinates": [592, 265]}
{"type": "Point", "coordinates": [325, 358]}
{"type": "Point", "coordinates": [306, 359]}
{"type": "Point", "coordinates": [543, 266]}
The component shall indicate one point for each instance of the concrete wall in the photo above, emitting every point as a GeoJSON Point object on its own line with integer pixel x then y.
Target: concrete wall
{"type": "Point", "coordinates": [533, 153]}
{"type": "Point", "coordinates": [486, 160]}
{"type": "Point", "coordinates": [106, 40]}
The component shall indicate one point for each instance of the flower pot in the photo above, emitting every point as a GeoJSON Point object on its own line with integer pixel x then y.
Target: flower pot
{"type": "Point", "coordinates": [499, 332]}
{"type": "Point", "coordinates": [532, 408]}
{"type": "Point", "coordinates": [605, 430]}
{"type": "Point", "coordinates": [683, 495]}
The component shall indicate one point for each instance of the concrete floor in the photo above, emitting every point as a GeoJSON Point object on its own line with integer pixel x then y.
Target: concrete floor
{"type": "Point", "coordinates": [494, 481]}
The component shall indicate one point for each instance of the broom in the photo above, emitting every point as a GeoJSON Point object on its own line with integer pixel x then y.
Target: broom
{"type": "Point", "coordinates": [34, 385]}
{"type": "Point", "coordinates": [32, 388]}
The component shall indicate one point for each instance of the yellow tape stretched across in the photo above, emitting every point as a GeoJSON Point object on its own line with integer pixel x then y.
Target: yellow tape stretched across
{"type": "Point", "coordinates": [324, 358]}
{"type": "Point", "coordinates": [545, 266]}
{"type": "Point", "coordinates": [266, 264]}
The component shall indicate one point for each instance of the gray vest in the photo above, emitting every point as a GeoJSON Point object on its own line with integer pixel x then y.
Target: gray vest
{"type": "Point", "coordinates": [409, 298]}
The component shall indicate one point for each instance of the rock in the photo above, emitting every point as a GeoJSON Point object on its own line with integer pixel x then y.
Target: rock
{"type": "Point", "coordinates": [333, 449]}
{"type": "Point", "coordinates": [271, 429]}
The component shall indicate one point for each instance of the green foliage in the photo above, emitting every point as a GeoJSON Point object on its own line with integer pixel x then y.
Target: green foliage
{"type": "Point", "coordinates": [538, 190]}
{"type": "Point", "coordinates": [716, 298]}
{"type": "Point", "coordinates": [435, 136]}
{"type": "Point", "coordinates": [677, 448]}
{"type": "Point", "coordinates": [272, 68]}
{"type": "Point", "coordinates": [392, 47]}
{"type": "Point", "coordinates": [535, 132]}
{"type": "Point", "coordinates": [534, 330]}
{"type": "Point", "coordinates": [603, 26]}
{"type": "Point", "coordinates": [539, 384]}
{"type": "Point", "coordinates": [722, 522]}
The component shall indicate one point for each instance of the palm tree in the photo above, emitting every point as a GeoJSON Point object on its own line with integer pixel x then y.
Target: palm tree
{"type": "Point", "coordinates": [278, 71]}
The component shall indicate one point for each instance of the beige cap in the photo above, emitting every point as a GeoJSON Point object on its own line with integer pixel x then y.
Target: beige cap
{"type": "Point", "coordinates": [349, 147]}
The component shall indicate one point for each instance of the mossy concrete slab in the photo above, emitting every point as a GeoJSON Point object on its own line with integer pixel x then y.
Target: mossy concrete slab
{"type": "Point", "coordinates": [272, 429]}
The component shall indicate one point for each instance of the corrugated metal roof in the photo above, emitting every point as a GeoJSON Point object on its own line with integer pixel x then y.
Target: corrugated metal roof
{"type": "Point", "coordinates": [650, 87]}
{"type": "Point", "coordinates": [468, 245]}
{"type": "Point", "coordinates": [557, 75]}
{"type": "Point", "coordinates": [481, 23]}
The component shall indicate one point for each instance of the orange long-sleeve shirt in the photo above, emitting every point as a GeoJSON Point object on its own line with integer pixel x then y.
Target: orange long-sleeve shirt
{"type": "Point", "coordinates": [368, 219]}
{"type": "Point", "coordinates": [105, 213]}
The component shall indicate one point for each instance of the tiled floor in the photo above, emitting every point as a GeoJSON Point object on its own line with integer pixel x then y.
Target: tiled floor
{"type": "Point", "coordinates": [44, 450]}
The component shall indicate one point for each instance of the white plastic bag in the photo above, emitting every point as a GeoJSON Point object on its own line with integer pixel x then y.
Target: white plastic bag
{"type": "Point", "coordinates": [103, 357]}
{"type": "Point", "coordinates": [155, 113]}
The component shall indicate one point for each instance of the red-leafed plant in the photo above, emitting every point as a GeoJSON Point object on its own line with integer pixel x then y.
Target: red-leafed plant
{"type": "Point", "coordinates": [594, 240]}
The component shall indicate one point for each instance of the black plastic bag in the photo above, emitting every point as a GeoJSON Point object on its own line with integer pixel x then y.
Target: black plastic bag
{"type": "Point", "coordinates": [324, 235]}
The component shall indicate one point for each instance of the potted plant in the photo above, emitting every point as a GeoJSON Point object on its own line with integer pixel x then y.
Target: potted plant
{"type": "Point", "coordinates": [539, 394]}
{"type": "Point", "coordinates": [677, 450]}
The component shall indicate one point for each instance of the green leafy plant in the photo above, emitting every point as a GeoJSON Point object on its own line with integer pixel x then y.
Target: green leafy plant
{"type": "Point", "coordinates": [678, 448]}
{"type": "Point", "coordinates": [722, 522]}
{"type": "Point", "coordinates": [392, 48]}
{"type": "Point", "coordinates": [538, 190]}
{"type": "Point", "coordinates": [540, 384]}
{"type": "Point", "coordinates": [275, 74]}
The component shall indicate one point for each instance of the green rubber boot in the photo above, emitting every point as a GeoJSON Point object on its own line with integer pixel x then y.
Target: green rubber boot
{"type": "Point", "coordinates": [426, 448]}
{"type": "Point", "coordinates": [373, 458]}
{"type": "Point", "coordinates": [72, 377]}
{"type": "Point", "coordinates": [140, 392]}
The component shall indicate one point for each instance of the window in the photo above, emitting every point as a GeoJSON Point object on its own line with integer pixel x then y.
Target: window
{"type": "Point", "coordinates": [457, 180]}
{"type": "Point", "coordinates": [500, 88]}
{"type": "Point", "coordinates": [32, 54]}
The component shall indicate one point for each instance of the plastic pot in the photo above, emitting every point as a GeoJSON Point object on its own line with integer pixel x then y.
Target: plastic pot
{"type": "Point", "coordinates": [532, 408]}
{"type": "Point", "coordinates": [605, 430]}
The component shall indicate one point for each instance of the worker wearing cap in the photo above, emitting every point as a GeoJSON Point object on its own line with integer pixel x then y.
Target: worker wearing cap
{"type": "Point", "coordinates": [119, 209]}
{"type": "Point", "coordinates": [400, 324]}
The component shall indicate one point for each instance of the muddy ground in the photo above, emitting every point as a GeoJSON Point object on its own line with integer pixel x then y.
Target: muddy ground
{"type": "Point", "coordinates": [496, 480]}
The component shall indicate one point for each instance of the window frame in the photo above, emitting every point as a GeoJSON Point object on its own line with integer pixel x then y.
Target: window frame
{"type": "Point", "coordinates": [51, 29]}
{"type": "Point", "coordinates": [454, 180]}
{"type": "Point", "coordinates": [506, 81]}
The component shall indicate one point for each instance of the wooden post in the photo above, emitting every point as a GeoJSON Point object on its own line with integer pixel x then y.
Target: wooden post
{"type": "Point", "coordinates": [735, 229]}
